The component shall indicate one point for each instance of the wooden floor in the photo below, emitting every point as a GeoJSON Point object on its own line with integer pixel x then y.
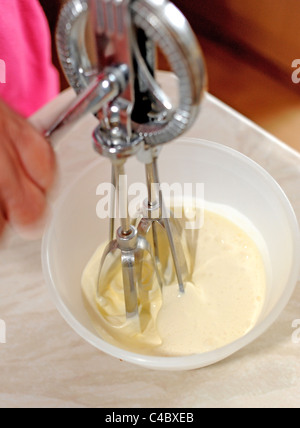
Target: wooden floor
{"type": "Point", "coordinates": [243, 84]}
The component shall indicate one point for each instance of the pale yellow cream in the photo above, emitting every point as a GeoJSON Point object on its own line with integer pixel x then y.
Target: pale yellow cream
{"type": "Point", "coordinates": [223, 297]}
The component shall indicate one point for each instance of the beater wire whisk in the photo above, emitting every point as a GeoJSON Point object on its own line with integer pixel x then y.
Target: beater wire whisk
{"type": "Point", "coordinates": [158, 219]}
{"type": "Point", "coordinates": [135, 119]}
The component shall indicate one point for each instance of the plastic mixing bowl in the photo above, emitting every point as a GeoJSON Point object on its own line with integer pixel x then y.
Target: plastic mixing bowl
{"type": "Point", "coordinates": [230, 179]}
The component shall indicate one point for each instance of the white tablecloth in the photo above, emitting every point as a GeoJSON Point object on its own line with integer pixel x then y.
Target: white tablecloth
{"type": "Point", "coordinates": [44, 363]}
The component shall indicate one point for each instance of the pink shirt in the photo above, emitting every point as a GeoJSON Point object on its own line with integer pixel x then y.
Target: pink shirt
{"type": "Point", "coordinates": [28, 79]}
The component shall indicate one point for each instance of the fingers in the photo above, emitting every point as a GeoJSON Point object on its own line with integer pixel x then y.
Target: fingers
{"type": "Point", "coordinates": [2, 222]}
{"type": "Point", "coordinates": [23, 202]}
{"type": "Point", "coordinates": [27, 170]}
{"type": "Point", "coordinates": [35, 154]}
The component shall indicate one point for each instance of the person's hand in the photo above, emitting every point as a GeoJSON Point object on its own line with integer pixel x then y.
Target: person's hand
{"type": "Point", "coordinates": [27, 169]}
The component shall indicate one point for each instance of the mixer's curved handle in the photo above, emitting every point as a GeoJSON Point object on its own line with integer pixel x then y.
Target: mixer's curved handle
{"type": "Point", "coordinates": [163, 23]}
{"type": "Point", "coordinates": [71, 43]}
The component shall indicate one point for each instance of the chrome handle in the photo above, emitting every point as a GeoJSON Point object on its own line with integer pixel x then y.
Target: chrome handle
{"type": "Point", "coordinates": [102, 90]}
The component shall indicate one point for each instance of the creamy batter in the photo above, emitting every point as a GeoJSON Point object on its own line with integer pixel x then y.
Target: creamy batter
{"type": "Point", "coordinates": [223, 296]}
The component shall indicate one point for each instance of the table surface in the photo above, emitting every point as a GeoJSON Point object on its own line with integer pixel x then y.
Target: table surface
{"type": "Point", "coordinates": [45, 364]}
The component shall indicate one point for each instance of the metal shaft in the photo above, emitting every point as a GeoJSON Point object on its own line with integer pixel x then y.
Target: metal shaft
{"type": "Point", "coordinates": [152, 185]}
{"type": "Point", "coordinates": [121, 183]}
{"type": "Point", "coordinates": [105, 88]}
{"type": "Point", "coordinates": [113, 205]}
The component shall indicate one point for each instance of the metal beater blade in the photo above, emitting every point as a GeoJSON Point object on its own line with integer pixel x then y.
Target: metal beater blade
{"type": "Point", "coordinates": [158, 220]}
{"type": "Point", "coordinates": [131, 247]}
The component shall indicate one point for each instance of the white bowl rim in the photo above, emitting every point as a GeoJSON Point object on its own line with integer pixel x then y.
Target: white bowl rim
{"type": "Point", "coordinates": [196, 360]}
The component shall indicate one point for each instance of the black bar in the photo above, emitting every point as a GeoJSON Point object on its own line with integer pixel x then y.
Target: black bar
{"type": "Point", "coordinates": [141, 417]}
